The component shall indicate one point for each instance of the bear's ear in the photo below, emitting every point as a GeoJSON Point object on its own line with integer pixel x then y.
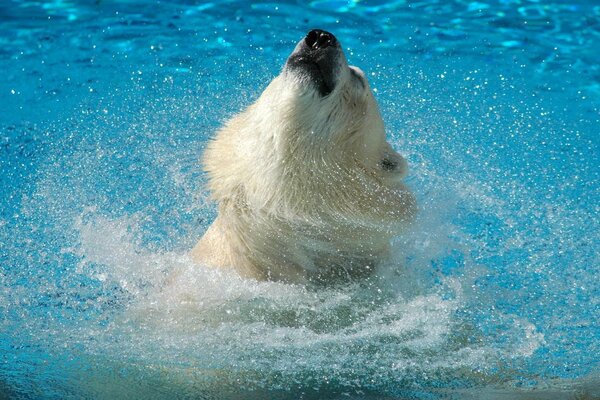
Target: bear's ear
{"type": "Point", "coordinates": [392, 164]}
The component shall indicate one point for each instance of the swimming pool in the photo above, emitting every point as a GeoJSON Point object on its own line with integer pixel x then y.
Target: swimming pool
{"type": "Point", "coordinates": [106, 108]}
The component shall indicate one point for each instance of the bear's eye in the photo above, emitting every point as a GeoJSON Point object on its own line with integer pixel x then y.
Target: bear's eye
{"type": "Point", "coordinates": [356, 77]}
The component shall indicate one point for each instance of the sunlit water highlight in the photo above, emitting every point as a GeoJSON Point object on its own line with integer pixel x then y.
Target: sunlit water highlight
{"type": "Point", "coordinates": [494, 293]}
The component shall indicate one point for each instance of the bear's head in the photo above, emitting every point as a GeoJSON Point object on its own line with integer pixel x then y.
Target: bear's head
{"type": "Point", "coordinates": [316, 129]}
{"type": "Point", "coordinates": [321, 108]}
{"type": "Point", "coordinates": [306, 183]}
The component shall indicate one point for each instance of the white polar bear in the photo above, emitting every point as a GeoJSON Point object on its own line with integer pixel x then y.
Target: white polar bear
{"type": "Point", "coordinates": [307, 187]}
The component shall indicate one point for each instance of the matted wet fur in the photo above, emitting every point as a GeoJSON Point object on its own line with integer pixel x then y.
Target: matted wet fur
{"type": "Point", "coordinates": [307, 187]}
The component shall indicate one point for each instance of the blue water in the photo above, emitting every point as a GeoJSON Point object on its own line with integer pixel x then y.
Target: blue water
{"type": "Point", "coordinates": [493, 294]}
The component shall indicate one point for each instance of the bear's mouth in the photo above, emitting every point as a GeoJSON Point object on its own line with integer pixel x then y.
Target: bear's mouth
{"type": "Point", "coordinates": [316, 57]}
{"type": "Point", "coordinates": [321, 77]}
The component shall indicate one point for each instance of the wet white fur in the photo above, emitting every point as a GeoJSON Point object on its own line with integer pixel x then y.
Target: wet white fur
{"type": "Point", "coordinates": [300, 189]}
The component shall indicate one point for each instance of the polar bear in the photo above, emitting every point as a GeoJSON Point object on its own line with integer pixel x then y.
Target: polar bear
{"type": "Point", "coordinates": [308, 189]}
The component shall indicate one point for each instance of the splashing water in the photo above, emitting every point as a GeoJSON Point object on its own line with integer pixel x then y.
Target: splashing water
{"type": "Point", "coordinates": [492, 293]}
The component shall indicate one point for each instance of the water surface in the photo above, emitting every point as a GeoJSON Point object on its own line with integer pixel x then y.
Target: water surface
{"type": "Point", "coordinates": [106, 108]}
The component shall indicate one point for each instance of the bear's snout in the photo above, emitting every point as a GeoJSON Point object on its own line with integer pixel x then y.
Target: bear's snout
{"type": "Point", "coordinates": [317, 59]}
{"type": "Point", "coordinates": [318, 39]}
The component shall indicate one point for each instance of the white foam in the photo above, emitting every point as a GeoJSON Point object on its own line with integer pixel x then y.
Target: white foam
{"type": "Point", "coordinates": [184, 314]}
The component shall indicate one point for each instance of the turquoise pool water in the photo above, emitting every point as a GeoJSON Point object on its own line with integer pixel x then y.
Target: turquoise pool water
{"type": "Point", "coordinates": [106, 107]}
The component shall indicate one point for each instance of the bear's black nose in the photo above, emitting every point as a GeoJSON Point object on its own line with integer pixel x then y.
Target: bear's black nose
{"type": "Point", "coordinates": [318, 39]}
